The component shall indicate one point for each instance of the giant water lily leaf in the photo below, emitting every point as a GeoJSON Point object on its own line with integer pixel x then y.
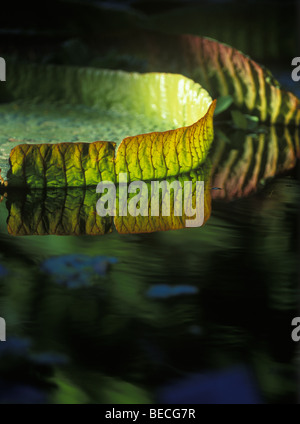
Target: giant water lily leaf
{"type": "Point", "coordinates": [219, 68]}
{"type": "Point", "coordinates": [75, 211]}
{"type": "Point", "coordinates": [229, 72]}
{"type": "Point", "coordinates": [147, 156]}
{"type": "Point", "coordinates": [154, 101]}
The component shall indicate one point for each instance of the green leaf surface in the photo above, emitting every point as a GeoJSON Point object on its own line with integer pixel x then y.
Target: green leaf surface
{"type": "Point", "coordinates": [224, 102]}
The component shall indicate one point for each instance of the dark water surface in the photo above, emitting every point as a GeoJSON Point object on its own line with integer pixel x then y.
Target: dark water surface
{"type": "Point", "coordinates": [195, 315]}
